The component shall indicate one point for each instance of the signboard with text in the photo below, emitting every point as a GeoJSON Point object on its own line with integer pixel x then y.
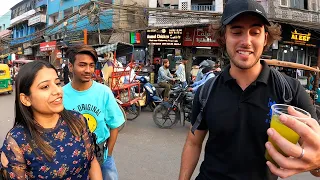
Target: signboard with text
{"type": "Point", "coordinates": [298, 37]}
{"type": "Point", "coordinates": [37, 19]}
{"type": "Point", "coordinates": [74, 38]}
{"type": "Point", "coordinates": [165, 37]}
{"type": "Point", "coordinates": [48, 46]}
{"type": "Point", "coordinates": [198, 37]}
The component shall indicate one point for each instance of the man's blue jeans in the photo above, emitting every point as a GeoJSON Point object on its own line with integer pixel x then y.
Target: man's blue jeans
{"type": "Point", "coordinates": [109, 169]}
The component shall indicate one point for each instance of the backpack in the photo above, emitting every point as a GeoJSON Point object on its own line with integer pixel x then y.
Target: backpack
{"type": "Point", "coordinates": [284, 90]}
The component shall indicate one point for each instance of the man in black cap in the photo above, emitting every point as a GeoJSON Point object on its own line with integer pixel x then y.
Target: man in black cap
{"type": "Point", "coordinates": [237, 112]}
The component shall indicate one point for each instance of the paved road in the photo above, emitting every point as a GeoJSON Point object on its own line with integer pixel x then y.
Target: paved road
{"type": "Point", "coordinates": [143, 151]}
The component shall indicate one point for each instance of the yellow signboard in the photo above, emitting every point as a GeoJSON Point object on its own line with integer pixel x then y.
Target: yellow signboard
{"type": "Point", "coordinates": [300, 37]}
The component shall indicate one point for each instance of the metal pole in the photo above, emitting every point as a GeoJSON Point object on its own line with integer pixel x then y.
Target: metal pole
{"type": "Point", "coordinates": [99, 34]}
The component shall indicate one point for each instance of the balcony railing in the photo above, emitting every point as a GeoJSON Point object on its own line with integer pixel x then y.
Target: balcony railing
{"type": "Point", "coordinates": [202, 7]}
{"type": "Point", "coordinates": [297, 15]}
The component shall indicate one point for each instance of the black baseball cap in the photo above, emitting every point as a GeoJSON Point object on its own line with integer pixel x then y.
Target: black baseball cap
{"type": "Point", "coordinates": [234, 8]}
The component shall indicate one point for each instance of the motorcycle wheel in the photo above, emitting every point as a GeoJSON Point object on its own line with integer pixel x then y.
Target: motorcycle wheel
{"type": "Point", "coordinates": [152, 105]}
{"type": "Point", "coordinates": [133, 111]}
{"type": "Point", "coordinates": [125, 119]}
{"type": "Point", "coordinates": [164, 119]}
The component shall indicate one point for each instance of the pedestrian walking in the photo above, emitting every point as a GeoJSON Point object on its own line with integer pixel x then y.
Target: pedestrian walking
{"type": "Point", "coordinates": [96, 102]}
{"type": "Point", "coordinates": [237, 109]}
{"type": "Point", "coordinates": [47, 141]}
{"type": "Point", "coordinates": [181, 72]}
{"type": "Point", "coordinates": [65, 69]}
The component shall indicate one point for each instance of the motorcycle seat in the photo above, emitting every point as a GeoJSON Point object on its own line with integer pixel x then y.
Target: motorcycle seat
{"type": "Point", "coordinates": [156, 85]}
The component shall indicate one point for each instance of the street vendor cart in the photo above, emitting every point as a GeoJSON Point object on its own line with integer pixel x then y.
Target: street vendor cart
{"type": "Point", "coordinates": [116, 71]}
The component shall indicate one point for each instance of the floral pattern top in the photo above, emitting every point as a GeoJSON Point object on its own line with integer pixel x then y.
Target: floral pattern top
{"type": "Point", "coordinates": [72, 159]}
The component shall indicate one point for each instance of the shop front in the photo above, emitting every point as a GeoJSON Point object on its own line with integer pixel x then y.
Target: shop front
{"type": "Point", "coordinates": [47, 49]}
{"type": "Point", "coordinates": [166, 44]}
{"type": "Point", "coordinates": [139, 42]}
{"type": "Point", "coordinates": [298, 45]}
{"type": "Point", "coordinates": [201, 43]}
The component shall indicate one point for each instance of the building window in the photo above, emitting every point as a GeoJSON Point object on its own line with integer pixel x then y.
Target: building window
{"type": "Point", "coordinates": [53, 19]}
{"type": "Point", "coordinates": [184, 6]}
{"type": "Point", "coordinates": [175, 6]}
{"type": "Point", "coordinates": [166, 6]}
{"type": "Point", "coordinates": [131, 16]}
{"type": "Point", "coordinates": [284, 3]}
{"type": "Point", "coordinates": [68, 12]}
{"type": "Point", "coordinates": [314, 5]}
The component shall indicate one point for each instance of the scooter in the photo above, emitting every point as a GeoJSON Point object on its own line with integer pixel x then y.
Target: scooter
{"type": "Point", "coordinates": [150, 94]}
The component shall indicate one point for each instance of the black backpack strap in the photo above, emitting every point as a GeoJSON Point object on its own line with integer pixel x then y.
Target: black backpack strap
{"type": "Point", "coordinates": [285, 89]}
{"type": "Point", "coordinates": [203, 98]}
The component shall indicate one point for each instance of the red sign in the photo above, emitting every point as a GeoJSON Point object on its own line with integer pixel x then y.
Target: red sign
{"type": "Point", "coordinates": [48, 46]}
{"type": "Point", "coordinates": [200, 37]}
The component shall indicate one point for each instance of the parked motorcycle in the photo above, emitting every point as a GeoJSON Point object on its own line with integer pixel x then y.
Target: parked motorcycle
{"type": "Point", "coordinates": [150, 95]}
{"type": "Point", "coordinates": [177, 109]}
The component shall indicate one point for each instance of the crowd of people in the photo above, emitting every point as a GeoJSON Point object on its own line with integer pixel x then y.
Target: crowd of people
{"type": "Point", "coordinates": [70, 132]}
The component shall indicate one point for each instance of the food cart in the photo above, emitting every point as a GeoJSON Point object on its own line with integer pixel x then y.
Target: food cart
{"type": "Point", "coordinates": [117, 56]}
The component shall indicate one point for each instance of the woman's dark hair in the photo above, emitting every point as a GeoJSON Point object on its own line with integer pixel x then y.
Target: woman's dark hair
{"type": "Point", "coordinates": [24, 114]}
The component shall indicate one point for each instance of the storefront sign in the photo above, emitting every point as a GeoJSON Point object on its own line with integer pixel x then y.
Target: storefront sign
{"type": "Point", "coordinates": [164, 37]}
{"type": "Point", "coordinates": [37, 19]}
{"type": "Point", "coordinates": [27, 51]}
{"type": "Point", "coordinates": [20, 51]}
{"type": "Point", "coordinates": [200, 37]}
{"type": "Point", "coordinates": [298, 37]}
{"type": "Point", "coordinates": [74, 38]}
{"type": "Point", "coordinates": [135, 38]}
{"type": "Point", "coordinates": [48, 46]}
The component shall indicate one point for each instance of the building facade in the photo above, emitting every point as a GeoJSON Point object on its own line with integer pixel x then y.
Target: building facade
{"type": "Point", "coordinates": [184, 30]}
{"type": "Point", "coordinates": [21, 31]}
{"type": "Point", "coordinates": [300, 22]}
{"type": "Point", "coordinates": [5, 35]}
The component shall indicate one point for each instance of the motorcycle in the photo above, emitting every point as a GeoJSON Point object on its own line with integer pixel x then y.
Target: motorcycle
{"type": "Point", "coordinates": [177, 109]}
{"type": "Point", "coordinates": [150, 96]}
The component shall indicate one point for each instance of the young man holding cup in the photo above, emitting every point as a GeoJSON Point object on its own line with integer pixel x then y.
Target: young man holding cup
{"type": "Point", "coordinates": [238, 111]}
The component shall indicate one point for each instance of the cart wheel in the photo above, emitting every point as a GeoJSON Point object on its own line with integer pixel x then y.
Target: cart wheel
{"type": "Point", "coordinates": [125, 118]}
{"type": "Point", "coordinates": [165, 118]}
{"type": "Point", "coordinates": [133, 111]}
{"type": "Point", "coordinates": [9, 92]}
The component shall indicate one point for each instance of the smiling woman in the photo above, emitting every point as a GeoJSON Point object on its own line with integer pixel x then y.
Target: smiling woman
{"type": "Point", "coordinates": [34, 147]}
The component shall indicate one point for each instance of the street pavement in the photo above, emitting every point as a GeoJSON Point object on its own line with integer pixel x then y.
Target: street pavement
{"type": "Point", "coordinates": [143, 151]}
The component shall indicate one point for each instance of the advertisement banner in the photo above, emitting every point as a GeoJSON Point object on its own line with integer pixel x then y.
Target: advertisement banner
{"type": "Point", "coordinates": [48, 46]}
{"type": "Point", "coordinates": [199, 37]}
{"type": "Point", "coordinates": [165, 37]}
